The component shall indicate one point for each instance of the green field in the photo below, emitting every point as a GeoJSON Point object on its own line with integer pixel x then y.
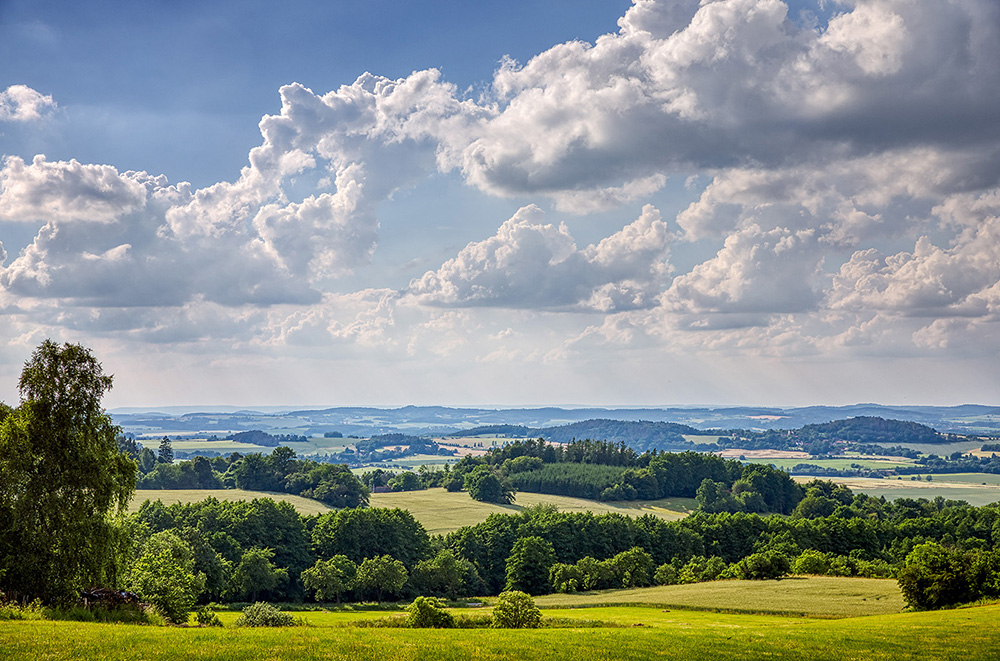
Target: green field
{"type": "Point", "coordinates": [807, 596]}
{"type": "Point", "coordinates": [841, 464]}
{"type": "Point", "coordinates": [171, 496]}
{"type": "Point", "coordinates": [961, 486]}
{"type": "Point", "coordinates": [439, 511]}
{"type": "Point", "coordinates": [641, 633]}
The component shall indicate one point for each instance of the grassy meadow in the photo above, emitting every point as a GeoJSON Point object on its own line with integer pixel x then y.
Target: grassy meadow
{"type": "Point", "coordinates": [805, 596]}
{"type": "Point", "coordinates": [439, 511]}
{"type": "Point", "coordinates": [633, 632]}
{"type": "Point", "coordinates": [171, 496]}
{"type": "Point", "coordinates": [960, 486]}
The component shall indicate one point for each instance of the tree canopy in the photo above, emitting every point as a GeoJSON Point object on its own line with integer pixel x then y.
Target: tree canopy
{"type": "Point", "coordinates": [63, 479]}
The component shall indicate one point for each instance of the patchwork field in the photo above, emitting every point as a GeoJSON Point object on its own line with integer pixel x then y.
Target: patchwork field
{"type": "Point", "coordinates": [960, 486]}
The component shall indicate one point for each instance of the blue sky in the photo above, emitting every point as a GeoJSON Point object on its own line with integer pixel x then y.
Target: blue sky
{"type": "Point", "coordinates": [562, 202]}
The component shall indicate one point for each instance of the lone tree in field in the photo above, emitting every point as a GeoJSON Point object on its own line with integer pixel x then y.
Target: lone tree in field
{"type": "Point", "coordinates": [64, 483]}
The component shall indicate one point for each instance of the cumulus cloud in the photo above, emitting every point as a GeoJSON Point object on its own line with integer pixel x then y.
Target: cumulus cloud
{"type": "Point", "coordinates": [830, 149]}
{"type": "Point", "coordinates": [20, 103]}
{"type": "Point", "coordinates": [530, 264]}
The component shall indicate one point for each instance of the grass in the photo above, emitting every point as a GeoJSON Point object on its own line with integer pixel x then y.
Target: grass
{"type": "Point", "coordinates": [171, 496]}
{"type": "Point", "coordinates": [648, 633]}
{"type": "Point", "coordinates": [965, 487]}
{"type": "Point", "coordinates": [808, 596]}
{"type": "Point", "coordinates": [441, 511]}
{"type": "Point", "coordinates": [841, 464]}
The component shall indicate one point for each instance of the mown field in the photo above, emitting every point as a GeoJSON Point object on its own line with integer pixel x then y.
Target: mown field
{"type": "Point", "coordinates": [439, 511]}
{"type": "Point", "coordinates": [806, 596]}
{"type": "Point", "coordinates": [638, 632]}
{"type": "Point", "coordinates": [841, 464]}
{"type": "Point", "coordinates": [960, 486]}
{"type": "Point", "coordinates": [171, 496]}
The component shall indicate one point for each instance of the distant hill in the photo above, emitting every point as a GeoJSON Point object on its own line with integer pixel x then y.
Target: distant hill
{"type": "Point", "coordinates": [641, 436]}
{"type": "Point", "coordinates": [873, 430]}
{"type": "Point", "coordinates": [440, 421]}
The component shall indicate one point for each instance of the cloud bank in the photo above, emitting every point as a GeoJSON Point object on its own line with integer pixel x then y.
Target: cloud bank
{"type": "Point", "coordinates": [849, 196]}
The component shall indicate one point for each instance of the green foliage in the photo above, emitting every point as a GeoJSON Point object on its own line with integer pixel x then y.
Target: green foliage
{"type": "Point", "coordinates": [762, 566]}
{"type": "Point", "coordinates": [569, 479]}
{"type": "Point", "coordinates": [363, 533]}
{"type": "Point", "coordinates": [328, 579]}
{"type": "Point", "coordinates": [633, 568]}
{"type": "Point", "coordinates": [255, 573]}
{"type": "Point", "coordinates": [446, 574]}
{"type": "Point", "coordinates": [565, 577]}
{"type": "Point", "coordinates": [528, 565]}
{"type": "Point", "coordinates": [263, 614]}
{"type": "Point", "coordinates": [812, 562]}
{"type": "Point", "coordinates": [206, 617]}
{"type": "Point", "coordinates": [406, 481]}
{"type": "Point", "coordinates": [516, 610]}
{"type": "Point", "coordinates": [665, 574]}
{"type": "Point", "coordinates": [934, 576]}
{"type": "Point", "coordinates": [15, 611]}
{"type": "Point", "coordinates": [332, 484]}
{"type": "Point", "coordinates": [381, 575]}
{"type": "Point", "coordinates": [162, 580]}
{"type": "Point", "coordinates": [64, 483]}
{"type": "Point", "coordinates": [485, 485]}
{"type": "Point", "coordinates": [428, 612]}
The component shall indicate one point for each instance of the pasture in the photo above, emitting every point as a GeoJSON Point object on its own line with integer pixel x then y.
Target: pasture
{"type": "Point", "coordinates": [439, 511]}
{"type": "Point", "coordinates": [960, 486]}
{"type": "Point", "coordinates": [805, 596]}
{"type": "Point", "coordinates": [637, 632]}
{"type": "Point", "coordinates": [171, 496]}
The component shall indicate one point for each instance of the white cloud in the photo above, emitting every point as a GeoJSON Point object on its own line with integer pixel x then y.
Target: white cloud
{"type": "Point", "coordinates": [756, 271]}
{"type": "Point", "coordinates": [20, 103]}
{"type": "Point", "coordinates": [529, 264]}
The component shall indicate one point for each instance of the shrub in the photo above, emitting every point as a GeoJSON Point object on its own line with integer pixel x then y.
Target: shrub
{"type": "Point", "coordinates": [761, 566]}
{"type": "Point", "coordinates": [812, 562]}
{"type": "Point", "coordinates": [14, 611]}
{"type": "Point", "coordinates": [428, 612]}
{"type": "Point", "coordinates": [516, 610]}
{"type": "Point", "coordinates": [207, 618]}
{"type": "Point", "coordinates": [160, 579]}
{"type": "Point", "coordinates": [262, 614]}
{"type": "Point", "coordinates": [665, 574]}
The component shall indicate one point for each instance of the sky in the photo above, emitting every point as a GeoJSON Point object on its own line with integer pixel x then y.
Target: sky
{"type": "Point", "coordinates": [557, 202]}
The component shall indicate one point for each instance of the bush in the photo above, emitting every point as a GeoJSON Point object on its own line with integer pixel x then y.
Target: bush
{"type": "Point", "coordinates": [428, 612]}
{"type": "Point", "coordinates": [761, 566]}
{"type": "Point", "coordinates": [665, 574]}
{"type": "Point", "coordinates": [13, 611]}
{"type": "Point", "coordinates": [812, 562]}
{"type": "Point", "coordinates": [262, 614]}
{"type": "Point", "coordinates": [207, 618]}
{"type": "Point", "coordinates": [516, 610]}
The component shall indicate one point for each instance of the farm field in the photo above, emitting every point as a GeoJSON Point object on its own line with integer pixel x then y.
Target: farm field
{"type": "Point", "coordinates": [806, 596]}
{"type": "Point", "coordinates": [640, 633]}
{"type": "Point", "coordinates": [171, 496]}
{"type": "Point", "coordinates": [441, 511]}
{"type": "Point", "coordinates": [968, 489]}
{"type": "Point", "coordinates": [840, 464]}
